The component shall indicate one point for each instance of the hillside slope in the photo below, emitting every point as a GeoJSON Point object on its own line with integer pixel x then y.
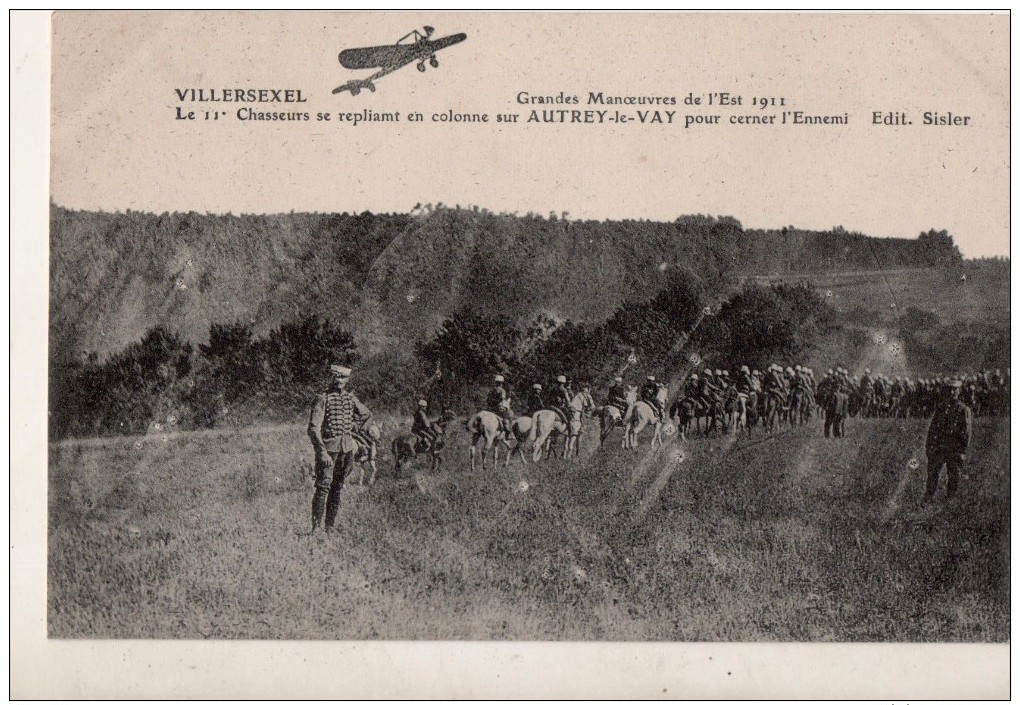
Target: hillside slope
{"type": "Point", "coordinates": [392, 278]}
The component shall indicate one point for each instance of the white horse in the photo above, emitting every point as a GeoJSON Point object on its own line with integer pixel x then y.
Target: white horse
{"type": "Point", "coordinates": [487, 427]}
{"type": "Point", "coordinates": [547, 423]}
{"type": "Point", "coordinates": [641, 414]}
{"type": "Point", "coordinates": [610, 416]}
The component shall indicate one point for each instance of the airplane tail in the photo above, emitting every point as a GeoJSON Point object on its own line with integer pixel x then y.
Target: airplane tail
{"type": "Point", "coordinates": [354, 87]}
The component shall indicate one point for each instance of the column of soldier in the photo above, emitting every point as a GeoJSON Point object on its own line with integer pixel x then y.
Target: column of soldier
{"type": "Point", "coordinates": [870, 395]}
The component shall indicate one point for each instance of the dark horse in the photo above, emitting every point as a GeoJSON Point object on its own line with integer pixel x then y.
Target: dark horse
{"type": "Point", "coordinates": [687, 409]}
{"type": "Point", "coordinates": [407, 447]}
{"type": "Point", "coordinates": [774, 409]}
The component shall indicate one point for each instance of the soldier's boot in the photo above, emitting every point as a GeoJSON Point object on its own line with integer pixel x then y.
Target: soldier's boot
{"type": "Point", "coordinates": [318, 507]}
{"type": "Point", "coordinates": [953, 482]}
{"type": "Point", "coordinates": [333, 505]}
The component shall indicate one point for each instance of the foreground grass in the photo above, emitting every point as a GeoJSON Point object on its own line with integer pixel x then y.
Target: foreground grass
{"type": "Point", "coordinates": [792, 538]}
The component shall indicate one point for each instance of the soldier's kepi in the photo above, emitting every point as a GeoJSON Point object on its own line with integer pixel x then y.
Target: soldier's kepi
{"type": "Point", "coordinates": [331, 424]}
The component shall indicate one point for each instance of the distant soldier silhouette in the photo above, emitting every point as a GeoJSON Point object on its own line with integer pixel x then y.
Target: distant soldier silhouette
{"type": "Point", "coordinates": [837, 403]}
{"type": "Point", "coordinates": [948, 440]}
{"type": "Point", "coordinates": [331, 424]}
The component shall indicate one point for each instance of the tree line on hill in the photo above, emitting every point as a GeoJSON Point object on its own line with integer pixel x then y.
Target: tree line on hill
{"type": "Point", "coordinates": [163, 382]}
{"type": "Point", "coordinates": [114, 276]}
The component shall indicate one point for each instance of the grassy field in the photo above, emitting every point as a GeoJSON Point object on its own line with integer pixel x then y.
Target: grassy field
{"type": "Point", "coordinates": [792, 538]}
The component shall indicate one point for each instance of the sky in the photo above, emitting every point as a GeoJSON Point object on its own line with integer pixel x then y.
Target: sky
{"type": "Point", "coordinates": [117, 143]}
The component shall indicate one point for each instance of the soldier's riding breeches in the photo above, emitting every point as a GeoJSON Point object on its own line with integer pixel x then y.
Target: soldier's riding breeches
{"type": "Point", "coordinates": [329, 483]}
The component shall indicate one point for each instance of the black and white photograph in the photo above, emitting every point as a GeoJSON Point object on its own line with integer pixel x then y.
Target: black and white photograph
{"type": "Point", "coordinates": [664, 330]}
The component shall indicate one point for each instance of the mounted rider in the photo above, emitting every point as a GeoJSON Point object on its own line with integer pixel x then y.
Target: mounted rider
{"type": "Point", "coordinates": [867, 384]}
{"type": "Point", "coordinates": [722, 378]}
{"type": "Point", "coordinates": [498, 402]}
{"type": "Point", "coordinates": [745, 384]}
{"type": "Point", "coordinates": [424, 431]}
{"type": "Point", "coordinates": [535, 401]}
{"type": "Point", "coordinates": [617, 396]}
{"type": "Point", "coordinates": [709, 393]}
{"type": "Point", "coordinates": [689, 388]}
{"type": "Point", "coordinates": [561, 398]}
{"type": "Point", "coordinates": [650, 395]}
{"type": "Point", "coordinates": [773, 383]}
{"type": "Point", "coordinates": [801, 384]}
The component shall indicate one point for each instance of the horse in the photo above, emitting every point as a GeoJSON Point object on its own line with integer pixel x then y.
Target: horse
{"type": "Point", "coordinates": [641, 414]}
{"type": "Point", "coordinates": [687, 409]}
{"type": "Point", "coordinates": [774, 408]}
{"type": "Point", "coordinates": [407, 447]}
{"type": "Point", "coordinates": [366, 450]}
{"type": "Point", "coordinates": [734, 410]}
{"type": "Point", "coordinates": [485, 426]}
{"type": "Point", "coordinates": [801, 404]}
{"type": "Point", "coordinates": [610, 416]}
{"type": "Point", "coordinates": [520, 429]}
{"type": "Point", "coordinates": [682, 412]}
{"type": "Point", "coordinates": [547, 423]}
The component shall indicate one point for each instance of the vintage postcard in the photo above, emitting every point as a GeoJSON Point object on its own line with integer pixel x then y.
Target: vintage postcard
{"type": "Point", "coordinates": [600, 355]}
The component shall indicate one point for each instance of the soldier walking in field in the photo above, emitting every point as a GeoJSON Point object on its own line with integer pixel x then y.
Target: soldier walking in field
{"type": "Point", "coordinates": [948, 441]}
{"type": "Point", "coordinates": [330, 427]}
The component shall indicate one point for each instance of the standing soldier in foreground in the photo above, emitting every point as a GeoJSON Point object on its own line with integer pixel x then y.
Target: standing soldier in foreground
{"type": "Point", "coordinates": [330, 425]}
{"type": "Point", "coordinates": [948, 440]}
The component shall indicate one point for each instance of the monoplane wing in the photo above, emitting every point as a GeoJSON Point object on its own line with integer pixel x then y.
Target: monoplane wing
{"type": "Point", "coordinates": [376, 57]}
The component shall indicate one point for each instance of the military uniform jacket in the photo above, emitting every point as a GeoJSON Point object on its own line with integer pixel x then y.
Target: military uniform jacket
{"type": "Point", "coordinates": [332, 419]}
{"type": "Point", "coordinates": [535, 401]}
{"type": "Point", "coordinates": [950, 429]}
{"type": "Point", "coordinates": [563, 396]}
{"type": "Point", "coordinates": [617, 397]}
{"type": "Point", "coordinates": [774, 383]}
{"type": "Point", "coordinates": [496, 397]}
{"type": "Point", "coordinates": [744, 383]}
{"type": "Point", "coordinates": [421, 423]}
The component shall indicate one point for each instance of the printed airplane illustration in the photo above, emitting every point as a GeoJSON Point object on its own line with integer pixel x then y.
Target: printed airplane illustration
{"type": "Point", "coordinates": [408, 49]}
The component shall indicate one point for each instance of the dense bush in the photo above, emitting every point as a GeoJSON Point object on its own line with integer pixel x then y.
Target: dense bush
{"type": "Point", "coordinates": [162, 382]}
{"type": "Point", "coordinates": [759, 326]}
{"type": "Point", "coordinates": [127, 392]}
